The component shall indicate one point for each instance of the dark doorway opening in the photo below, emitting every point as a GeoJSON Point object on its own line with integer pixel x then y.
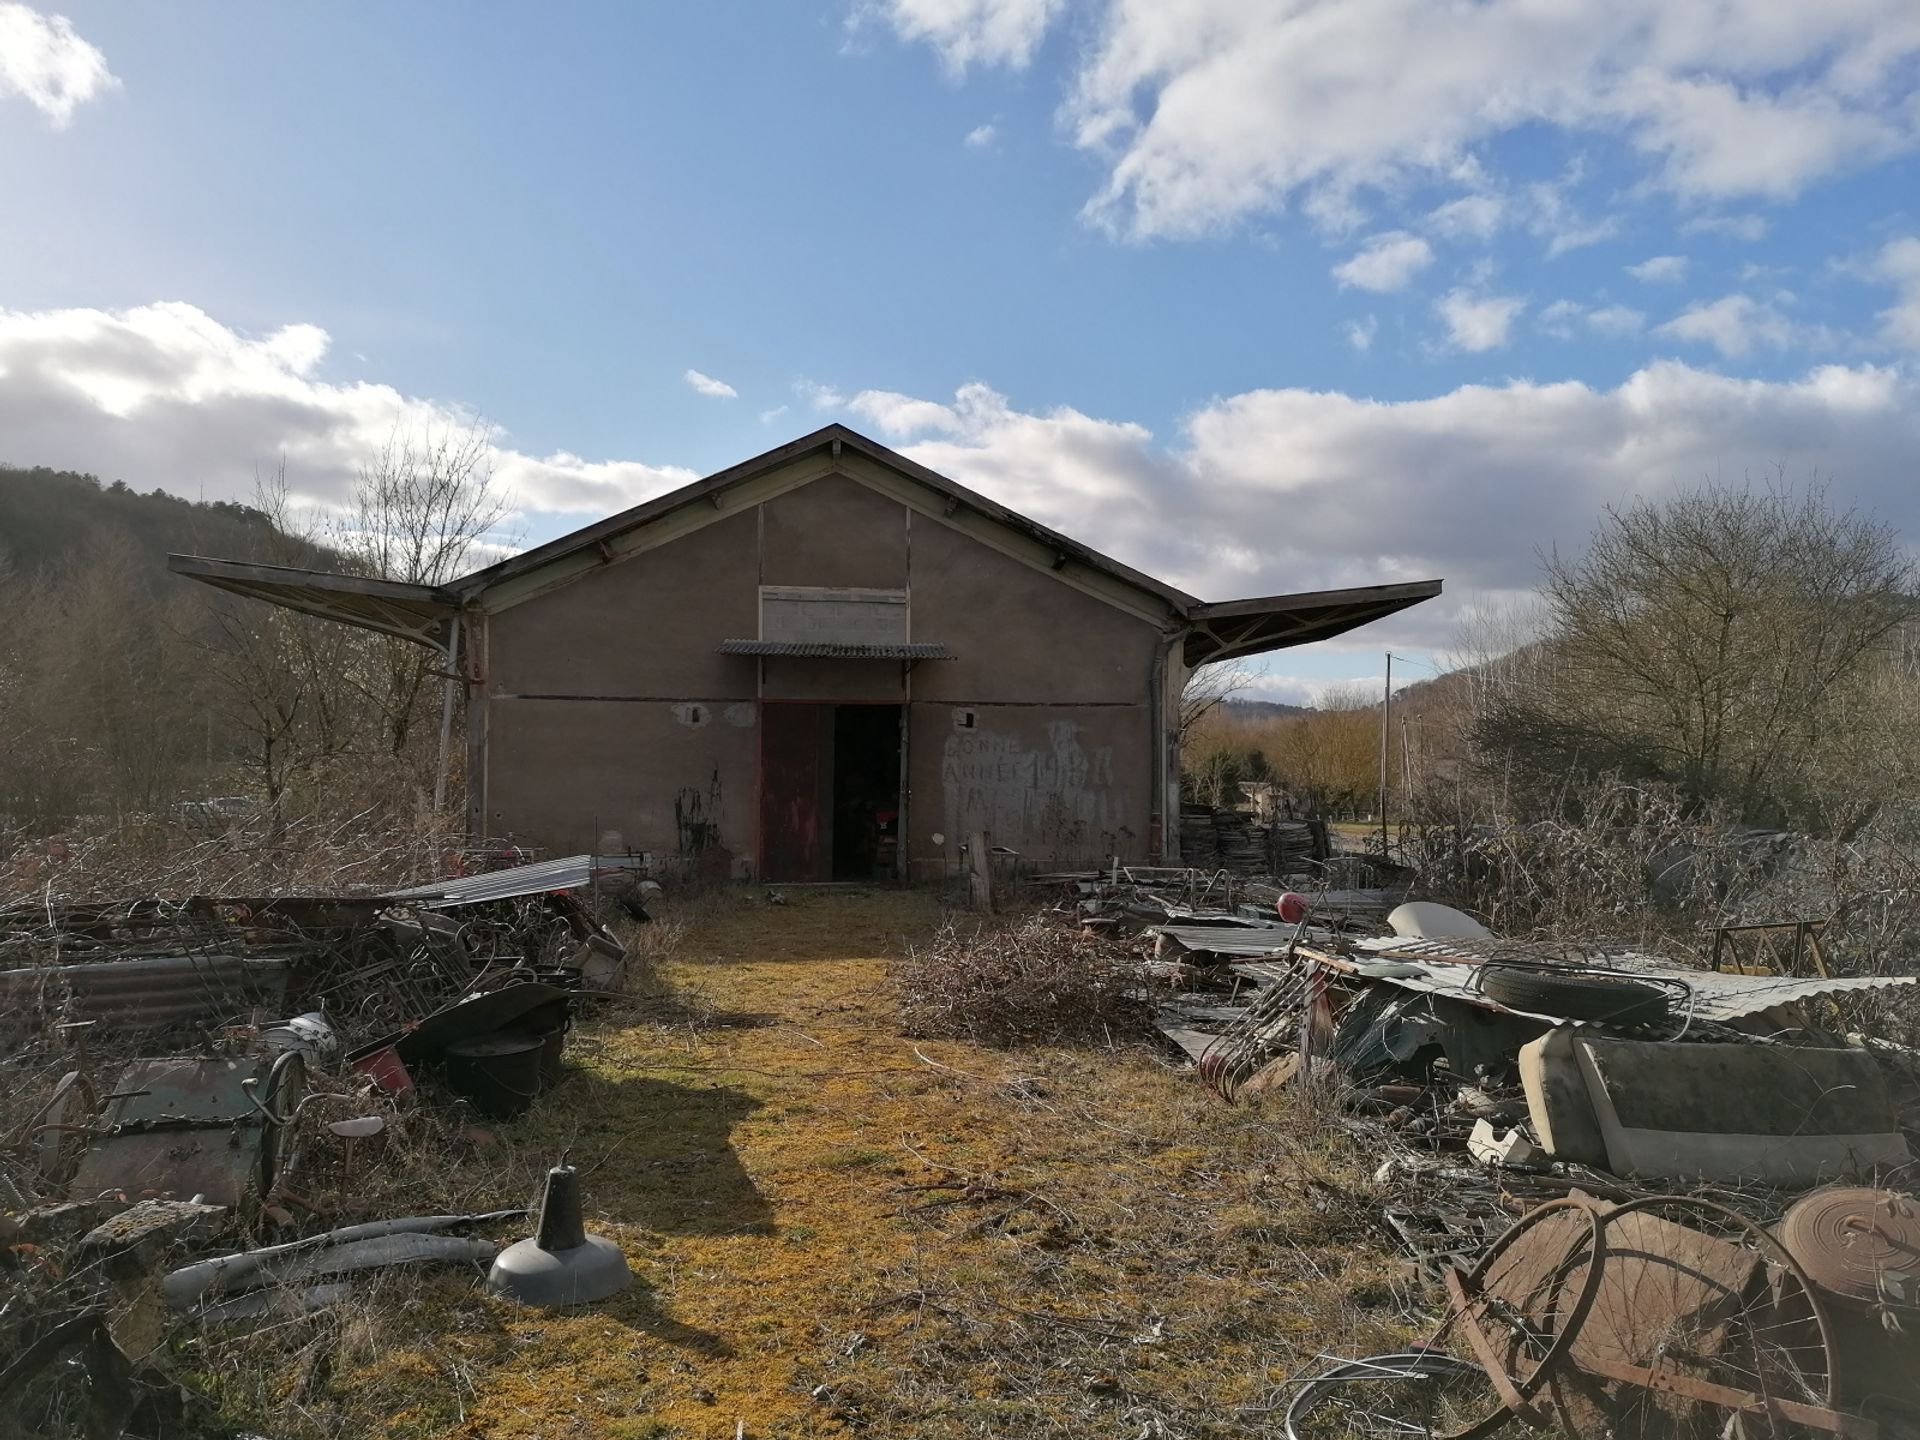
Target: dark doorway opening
{"type": "Point", "coordinates": [866, 791]}
{"type": "Point", "coordinates": [829, 791]}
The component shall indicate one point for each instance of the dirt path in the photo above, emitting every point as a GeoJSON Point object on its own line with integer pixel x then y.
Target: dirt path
{"type": "Point", "coordinates": [838, 1230]}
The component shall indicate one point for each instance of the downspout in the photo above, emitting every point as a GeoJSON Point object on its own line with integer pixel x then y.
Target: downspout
{"type": "Point", "coordinates": [449, 677]}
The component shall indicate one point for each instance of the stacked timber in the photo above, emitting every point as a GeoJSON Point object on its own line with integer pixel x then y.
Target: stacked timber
{"type": "Point", "coordinates": [1198, 847]}
{"type": "Point", "coordinates": [1236, 844]}
{"type": "Point", "coordinates": [1293, 844]}
{"type": "Point", "coordinates": [1233, 840]}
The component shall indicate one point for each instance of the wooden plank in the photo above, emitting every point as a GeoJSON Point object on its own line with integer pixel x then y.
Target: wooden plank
{"type": "Point", "coordinates": [980, 871]}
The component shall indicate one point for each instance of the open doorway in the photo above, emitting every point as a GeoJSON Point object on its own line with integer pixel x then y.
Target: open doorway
{"type": "Point", "coordinates": [829, 791]}
{"type": "Point", "coordinates": [866, 791]}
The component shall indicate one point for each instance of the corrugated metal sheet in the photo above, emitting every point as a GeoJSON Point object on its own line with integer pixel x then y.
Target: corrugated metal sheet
{"type": "Point", "coordinates": [152, 992]}
{"type": "Point", "coordinates": [1229, 939]}
{"type": "Point", "coordinates": [828, 650]}
{"type": "Point", "coordinates": [568, 873]}
{"type": "Point", "coordinates": [1716, 996]}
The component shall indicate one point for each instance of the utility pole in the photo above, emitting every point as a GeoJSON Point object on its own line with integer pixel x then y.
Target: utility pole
{"type": "Point", "coordinates": [1386, 704]}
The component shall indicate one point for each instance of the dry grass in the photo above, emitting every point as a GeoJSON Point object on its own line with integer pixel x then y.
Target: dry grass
{"type": "Point", "coordinates": [838, 1230]}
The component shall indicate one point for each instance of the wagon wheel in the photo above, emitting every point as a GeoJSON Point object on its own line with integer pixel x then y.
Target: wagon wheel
{"type": "Point", "coordinates": [280, 1096]}
{"type": "Point", "coordinates": [1388, 1397]}
{"type": "Point", "coordinates": [1516, 1313]}
{"type": "Point", "coordinates": [1701, 1317]}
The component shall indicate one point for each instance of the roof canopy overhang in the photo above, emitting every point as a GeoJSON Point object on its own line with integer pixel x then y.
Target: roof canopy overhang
{"type": "Point", "coordinates": [1206, 633]}
{"type": "Point", "coordinates": [423, 614]}
{"type": "Point", "coordinates": [1235, 629]}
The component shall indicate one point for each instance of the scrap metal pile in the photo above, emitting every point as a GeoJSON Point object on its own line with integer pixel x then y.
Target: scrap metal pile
{"type": "Point", "coordinates": [180, 1026]}
{"type": "Point", "coordinates": [1778, 1290]}
{"type": "Point", "coordinates": [218, 1056]}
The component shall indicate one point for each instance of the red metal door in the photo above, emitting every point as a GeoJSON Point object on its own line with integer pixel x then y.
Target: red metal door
{"type": "Point", "coordinates": [796, 791]}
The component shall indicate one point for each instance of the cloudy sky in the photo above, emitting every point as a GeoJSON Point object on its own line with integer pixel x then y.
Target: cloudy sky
{"type": "Point", "coordinates": [1257, 295]}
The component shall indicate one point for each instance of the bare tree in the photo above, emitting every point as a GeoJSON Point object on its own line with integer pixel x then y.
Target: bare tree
{"type": "Point", "coordinates": [299, 692]}
{"type": "Point", "coordinates": [419, 513]}
{"type": "Point", "coordinates": [1208, 688]}
{"type": "Point", "coordinates": [1722, 639]}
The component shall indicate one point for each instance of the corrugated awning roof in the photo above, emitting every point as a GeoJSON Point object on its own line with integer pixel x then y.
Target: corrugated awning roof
{"type": "Point", "coordinates": [827, 650]}
{"type": "Point", "coordinates": [1231, 629]}
{"type": "Point", "coordinates": [421, 613]}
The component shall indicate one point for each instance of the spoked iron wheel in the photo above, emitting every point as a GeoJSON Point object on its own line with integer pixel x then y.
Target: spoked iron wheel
{"type": "Point", "coordinates": [1703, 1327]}
{"type": "Point", "coordinates": [1515, 1314]}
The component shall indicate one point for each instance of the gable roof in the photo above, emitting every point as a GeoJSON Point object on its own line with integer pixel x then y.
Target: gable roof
{"type": "Point", "coordinates": [832, 440]}
{"type": "Point", "coordinates": [1222, 630]}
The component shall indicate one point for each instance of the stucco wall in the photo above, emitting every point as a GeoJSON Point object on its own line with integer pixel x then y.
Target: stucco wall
{"type": "Point", "coordinates": [1061, 784]}
{"type": "Point", "coordinates": [612, 714]}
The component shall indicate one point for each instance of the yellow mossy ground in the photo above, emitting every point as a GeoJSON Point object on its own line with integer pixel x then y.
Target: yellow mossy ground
{"type": "Point", "coordinates": [836, 1229]}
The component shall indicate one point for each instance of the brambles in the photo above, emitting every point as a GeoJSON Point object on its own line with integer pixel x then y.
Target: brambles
{"type": "Point", "coordinates": [1036, 979]}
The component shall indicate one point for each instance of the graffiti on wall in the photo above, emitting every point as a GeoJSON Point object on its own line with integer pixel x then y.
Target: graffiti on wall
{"type": "Point", "coordinates": [1059, 799]}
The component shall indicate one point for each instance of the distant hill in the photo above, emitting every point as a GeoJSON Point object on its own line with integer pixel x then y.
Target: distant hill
{"type": "Point", "coordinates": [49, 518]}
{"type": "Point", "coordinates": [1262, 709]}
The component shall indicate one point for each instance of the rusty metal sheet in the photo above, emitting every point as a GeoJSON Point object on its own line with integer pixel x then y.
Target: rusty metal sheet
{"type": "Point", "coordinates": [154, 991]}
{"type": "Point", "coordinates": [176, 1127]}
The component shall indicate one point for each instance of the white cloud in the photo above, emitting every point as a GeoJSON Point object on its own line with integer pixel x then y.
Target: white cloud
{"type": "Point", "coordinates": [767, 417]}
{"type": "Point", "coordinates": [1563, 319]}
{"type": "Point", "coordinates": [1560, 318]}
{"type": "Point", "coordinates": [1385, 262]}
{"type": "Point", "coordinates": [1899, 263]}
{"type": "Point", "coordinates": [1280, 490]}
{"type": "Point", "coordinates": [1616, 321]}
{"type": "Point", "coordinates": [980, 137]}
{"type": "Point", "coordinates": [1735, 325]}
{"type": "Point", "coordinates": [1360, 333]}
{"type": "Point", "coordinates": [897, 414]}
{"type": "Point", "coordinates": [707, 385]}
{"type": "Point", "coordinates": [1477, 322]}
{"type": "Point", "coordinates": [1749, 228]}
{"type": "Point", "coordinates": [1477, 217]}
{"type": "Point", "coordinates": [1553, 216]}
{"type": "Point", "coordinates": [45, 63]}
{"type": "Point", "coordinates": [165, 395]}
{"type": "Point", "coordinates": [1259, 493]}
{"type": "Point", "coordinates": [970, 32]}
{"type": "Point", "coordinates": [820, 397]}
{"type": "Point", "coordinates": [1207, 111]}
{"type": "Point", "coordinates": [1660, 270]}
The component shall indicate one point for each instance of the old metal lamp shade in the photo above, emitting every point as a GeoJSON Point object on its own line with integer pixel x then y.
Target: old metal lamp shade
{"type": "Point", "coordinates": [560, 1264]}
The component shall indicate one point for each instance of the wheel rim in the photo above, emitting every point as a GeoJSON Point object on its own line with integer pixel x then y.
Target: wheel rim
{"type": "Point", "coordinates": [1516, 1312]}
{"type": "Point", "coordinates": [1700, 1314]}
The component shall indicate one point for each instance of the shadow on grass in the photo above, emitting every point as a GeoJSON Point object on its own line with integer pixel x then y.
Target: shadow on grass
{"type": "Point", "coordinates": [669, 1163]}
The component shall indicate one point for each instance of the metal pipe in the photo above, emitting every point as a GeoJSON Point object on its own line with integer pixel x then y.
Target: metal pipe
{"type": "Point", "coordinates": [446, 715]}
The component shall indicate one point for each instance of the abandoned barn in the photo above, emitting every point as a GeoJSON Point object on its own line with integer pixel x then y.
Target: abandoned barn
{"type": "Point", "coordinates": [828, 662]}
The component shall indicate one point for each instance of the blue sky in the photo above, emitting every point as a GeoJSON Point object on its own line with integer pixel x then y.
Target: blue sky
{"type": "Point", "coordinates": [1259, 297]}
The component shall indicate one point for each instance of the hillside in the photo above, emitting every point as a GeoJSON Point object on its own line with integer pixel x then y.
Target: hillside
{"type": "Point", "coordinates": [1261, 709]}
{"type": "Point", "coordinates": [50, 518]}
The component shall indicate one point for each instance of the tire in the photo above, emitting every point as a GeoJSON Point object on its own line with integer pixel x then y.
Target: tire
{"type": "Point", "coordinates": [1605, 998]}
